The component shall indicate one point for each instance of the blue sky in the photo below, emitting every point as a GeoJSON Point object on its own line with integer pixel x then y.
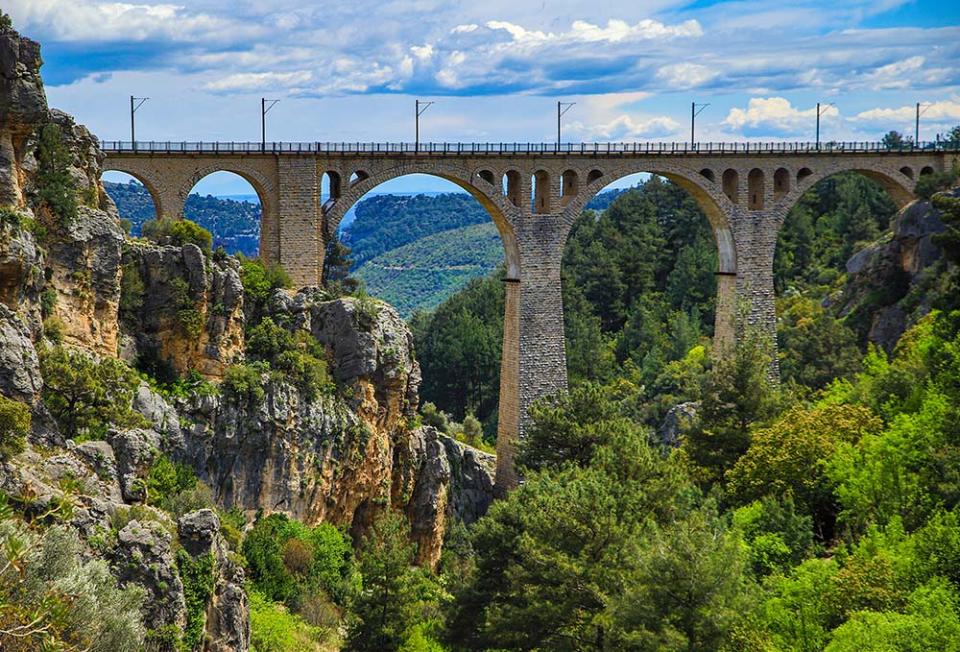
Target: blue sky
{"type": "Point", "coordinates": [351, 70]}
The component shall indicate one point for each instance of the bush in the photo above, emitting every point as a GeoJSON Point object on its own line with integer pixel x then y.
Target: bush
{"type": "Point", "coordinates": [86, 396]}
{"type": "Point", "coordinates": [188, 316]}
{"type": "Point", "coordinates": [929, 184]}
{"type": "Point", "coordinates": [131, 293]}
{"type": "Point", "coordinates": [299, 356]}
{"type": "Point", "coordinates": [274, 629]}
{"type": "Point", "coordinates": [197, 576]}
{"type": "Point", "coordinates": [292, 563]}
{"type": "Point", "coordinates": [178, 233]}
{"type": "Point", "coordinates": [55, 187]}
{"type": "Point", "coordinates": [244, 382]}
{"type": "Point", "coordinates": [52, 599]}
{"type": "Point", "coordinates": [14, 427]}
{"type": "Point", "coordinates": [166, 481]}
{"type": "Point", "coordinates": [260, 280]}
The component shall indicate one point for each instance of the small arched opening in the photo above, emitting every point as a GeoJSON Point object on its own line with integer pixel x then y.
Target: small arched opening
{"type": "Point", "coordinates": [331, 188]}
{"type": "Point", "coordinates": [707, 173]}
{"type": "Point", "coordinates": [593, 175]}
{"type": "Point", "coordinates": [731, 185]}
{"type": "Point", "coordinates": [926, 169]}
{"type": "Point", "coordinates": [907, 171]}
{"type": "Point", "coordinates": [802, 175]}
{"type": "Point", "coordinates": [756, 187]}
{"type": "Point", "coordinates": [781, 183]}
{"type": "Point", "coordinates": [358, 176]}
{"type": "Point", "coordinates": [569, 186]}
{"type": "Point", "coordinates": [487, 176]}
{"type": "Point", "coordinates": [540, 191]}
{"type": "Point", "coordinates": [511, 187]}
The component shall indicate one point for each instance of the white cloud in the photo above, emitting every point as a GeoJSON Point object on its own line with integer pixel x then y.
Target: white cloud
{"type": "Point", "coordinates": [625, 127]}
{"type": "Point", "coordinates": [254, 81]}
{"type": "Point", "coordinates": [944, 111]}
{"type": "Point", "coordinates": [614, 32]}
{"type": "Point", "coordinates": [423, 52]}
{"type": "Point", "coordinates": [87, 20]}
{"type": "Point", "coordinates": [685, 75]}
{"type": "Point", "coordinates": [775, 114]}
{"type": "Point", "coordinates": [895, 75]}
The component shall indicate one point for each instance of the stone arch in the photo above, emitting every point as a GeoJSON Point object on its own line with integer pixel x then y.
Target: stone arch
{"type": "Point", "coordinates": [512, 187]}
{"type": "Point", "coordinates": [593, 175]}
{"type": "Point", "coordinates": [756, 188]}
{"type": "Point", "coordinates": [496, 205]}
{"type": "Point", "coordinates": [357, 176]}
{"type": "Point", "coordinates": [890, 177]}
{"type": "Point", "coordinates": [487, 176]}
{"type": "Point", "coordinates": [145, 181]}
{"type": "Point", "coordinates": [541, 191]}
{"type": "Point", "coordinates": [708, 174]}
{"type": "Point", "coordinates": [781, 183]}
{"type": "Point", "coordinates": [569, 186]}
{"type": "Point", "coordinates": [926, 169]}
{"type": "Point", "coordinates": [731, 185]}
{"type": "Point", "coordinates": [907, 171]}
{"type": "Point", "coordinates": [265, 189]}
{"type": "Point", "coordinates": [715, 205]}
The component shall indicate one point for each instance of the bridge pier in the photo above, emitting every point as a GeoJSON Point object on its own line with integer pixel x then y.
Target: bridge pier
{"type": "Point", "coordinates": [534, 362]}
{"type": "Point", "coordinates": [301, 238]}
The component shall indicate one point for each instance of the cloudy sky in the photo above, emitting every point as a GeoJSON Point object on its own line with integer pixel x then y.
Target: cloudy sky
{"type": "Point", "coordinates": [351, 70]}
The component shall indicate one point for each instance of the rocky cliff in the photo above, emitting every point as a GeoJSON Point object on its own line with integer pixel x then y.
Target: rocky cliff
{"type": "Point", "coordinates": [891, 284]}
{"type": "Point", "coordinates": [70, 279]}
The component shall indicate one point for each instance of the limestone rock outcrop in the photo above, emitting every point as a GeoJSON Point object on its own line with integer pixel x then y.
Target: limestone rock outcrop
{"type": "Point", "coordinates": [227, 621]}
{"type": "Point", "coordinates": [881, 296]}
{"type": "Point", "coordinates": [184, 308]}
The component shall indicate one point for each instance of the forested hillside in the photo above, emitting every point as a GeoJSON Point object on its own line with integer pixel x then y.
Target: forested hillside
{"type": "Point", "coordinates": [235, 225]}
{"type": "Point", "coordinates": [422, 273]}
{"type": "Point", "coordinates": [676, 502]}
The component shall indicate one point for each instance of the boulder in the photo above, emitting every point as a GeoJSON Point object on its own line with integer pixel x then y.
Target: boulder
{"type": "Point", "coordinates": [134, 450]}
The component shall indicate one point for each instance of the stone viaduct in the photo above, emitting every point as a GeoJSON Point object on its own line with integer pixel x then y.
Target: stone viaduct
{"type": "Point", "coordinates": [533, 193]}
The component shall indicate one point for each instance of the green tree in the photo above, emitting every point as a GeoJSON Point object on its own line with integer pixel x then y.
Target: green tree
{"type": "Point", "coordinates": [55, 186]}
{"type": "Point", "coordinates": [689, 590]}
{"type": "Point", "coordinates": [895, 140]}
{"type": "Point", "coordinates": [736, 394]}
{"type": "Point", "coordinates": [86, 396]}
{"type": "Point", "coordinates": [393, 590]}
{"type": "Point", "coordinates": [336, 269]}
{"type": "Point", "coordinates": [789, 458]}
{"type": "Point", "coordinates": [553, 555]}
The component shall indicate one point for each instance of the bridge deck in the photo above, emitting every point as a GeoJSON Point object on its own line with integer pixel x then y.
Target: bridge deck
{"type": "Point", "coordinates": [514, 149]}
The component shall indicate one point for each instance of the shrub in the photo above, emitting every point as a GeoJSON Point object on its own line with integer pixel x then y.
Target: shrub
{"type": "Point", "coordinates": [166, 480]}
{"type": "Point", "coordinates": [55, 188]}
{"type": "Point", "coordinates": [290, 562]}
{"type": "Point", "coordinates": [86, 396]}
{"type": "Point", "coordinates": [196, 573]}
{"type": "Point", "coordinates": [274, 629]}
{"type": "Point", "coordinates": [178, 233]}
{"type": "Point", "coordinates": [188, 317]}
{"type": "Point", "coordinates": [260, 280]}
{"type": "Point", "coordinates": [131, 292]}
{"type": "Point", "coordinates": [929, 184]}
{"type": "Point", "coordinates": [299, 356]}
{"type": "Point", "coordinates": [14, 427]}
{"type": "Point", "coordinates": [52, 599]}
{"type": "Point", "coordinates": [48, 301]}
{"type": "Point", "coordinates": [244, 382]}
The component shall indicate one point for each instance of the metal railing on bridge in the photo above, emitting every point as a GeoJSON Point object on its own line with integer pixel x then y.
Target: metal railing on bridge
{"type": "Point", "coordinates": [537, 149]}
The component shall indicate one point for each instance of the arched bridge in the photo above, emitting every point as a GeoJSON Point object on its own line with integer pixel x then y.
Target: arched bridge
{"type": "Point", "coordinates": [533, 193]}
